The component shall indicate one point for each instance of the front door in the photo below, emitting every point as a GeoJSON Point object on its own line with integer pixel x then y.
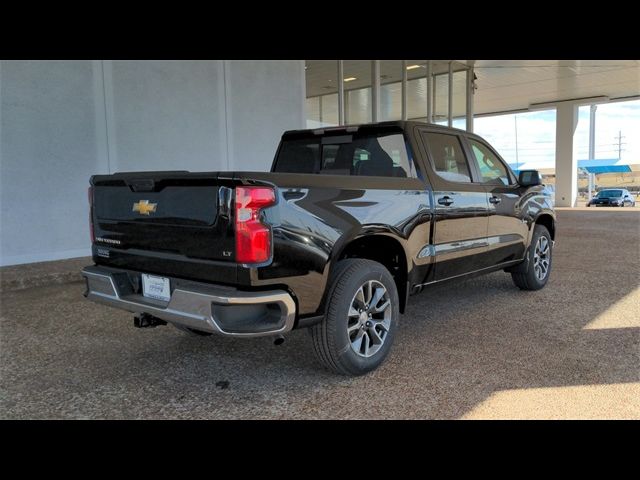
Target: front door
{"type": "Point", "coordinates": [461, 206]}
{"type": "Point", "coordinates": [507, 234]}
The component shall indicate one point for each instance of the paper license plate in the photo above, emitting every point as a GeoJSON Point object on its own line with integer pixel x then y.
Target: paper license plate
{"type": "Point", "coordinates": [156, 287]}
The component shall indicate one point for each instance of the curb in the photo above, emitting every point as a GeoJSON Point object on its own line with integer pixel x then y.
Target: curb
{"type": "Point", "coordinates": [21, 277]}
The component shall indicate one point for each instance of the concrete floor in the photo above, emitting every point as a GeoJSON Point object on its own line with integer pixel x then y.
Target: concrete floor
{"type": "Point", "coordinates": [478, 349]}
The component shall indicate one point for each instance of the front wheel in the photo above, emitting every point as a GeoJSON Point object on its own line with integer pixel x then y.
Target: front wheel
{"type": "Point", "coordinates": [537, 267]}
{"type": "Point", "coordinates": [361, 318]}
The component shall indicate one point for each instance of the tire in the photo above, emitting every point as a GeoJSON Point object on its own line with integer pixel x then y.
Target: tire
{"type": "Point", "coordinates": [347, 344]}
{"type": "Point", "coordinates": [192, 331]}
{"type": "Point", "coordinates": [528, 277]}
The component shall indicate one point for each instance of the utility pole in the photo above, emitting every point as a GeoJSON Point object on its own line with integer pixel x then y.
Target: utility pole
{"type": "Point", "coordinates": [620, 137]}
{"type": "Point", "coordinates": [592, 146]}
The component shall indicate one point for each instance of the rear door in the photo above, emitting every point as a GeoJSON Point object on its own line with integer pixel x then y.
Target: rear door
{"type": "Point", "coordinates": [461, 207]}
{"type": "Point", "coordinates": [507, 234]}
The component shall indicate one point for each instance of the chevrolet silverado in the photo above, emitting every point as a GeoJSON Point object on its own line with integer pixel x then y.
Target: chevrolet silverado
{"type": "Point", "coordinates": [350, 222]}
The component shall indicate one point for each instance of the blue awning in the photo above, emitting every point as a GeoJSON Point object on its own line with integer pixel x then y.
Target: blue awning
{"type": "Point", "coordinates": [608, 165]}
{"type": "Point", "coordinates": [608, 169]}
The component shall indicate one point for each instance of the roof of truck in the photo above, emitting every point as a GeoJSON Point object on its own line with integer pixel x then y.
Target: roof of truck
{"type": "Point", "coordinates": [403, 124]}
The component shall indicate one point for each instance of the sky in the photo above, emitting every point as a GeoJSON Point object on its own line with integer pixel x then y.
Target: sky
{"type": "Point", "coordinates": [536, 134]}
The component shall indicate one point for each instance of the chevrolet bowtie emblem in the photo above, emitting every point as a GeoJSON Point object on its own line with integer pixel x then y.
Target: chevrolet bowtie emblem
{"type": "Point", "coordinates": [143, 207]}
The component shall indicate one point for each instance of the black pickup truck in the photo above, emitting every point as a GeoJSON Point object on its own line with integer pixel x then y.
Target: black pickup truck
{"type": "Point", "coordinates": [350, 222]}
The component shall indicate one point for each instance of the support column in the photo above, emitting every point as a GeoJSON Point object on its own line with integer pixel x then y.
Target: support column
{"type": "Point", "coordinates": [375, 91]}
{"type": "Point", "coordinates": [341, 119]}
{"type": "Point", "coordinates": [470, 94]}
{"type": "Point", "coordinates": [566, 163]}
{"type": "Point", "coordinates": [404, 91]}
{"type": "Point", "coordinates": [450, 99]}
{"type": "Point", "coordinates": [430, 95]}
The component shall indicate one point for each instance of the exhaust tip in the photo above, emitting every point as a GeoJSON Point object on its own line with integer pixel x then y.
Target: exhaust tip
{"type": "Point", "coordinates": [279, 340]}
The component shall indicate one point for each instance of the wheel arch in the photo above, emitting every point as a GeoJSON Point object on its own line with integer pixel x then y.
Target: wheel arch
{"type": "Point", "coordinates": [548, 221]}
{"type": "Point", "coordinates": [384, 249]}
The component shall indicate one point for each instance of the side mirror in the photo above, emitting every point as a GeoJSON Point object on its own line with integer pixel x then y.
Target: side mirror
{"type": "Point", "coordinates": [529, 178]}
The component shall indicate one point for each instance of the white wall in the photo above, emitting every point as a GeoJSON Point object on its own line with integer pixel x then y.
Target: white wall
{"type": "Point", "coordinates": [63, 121]}
{"type": "Point", "coordinates": [253, 117]}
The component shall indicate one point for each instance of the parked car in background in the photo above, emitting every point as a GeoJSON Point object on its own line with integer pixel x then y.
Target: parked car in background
{"type": "Point", "coordinates": [613, 197]}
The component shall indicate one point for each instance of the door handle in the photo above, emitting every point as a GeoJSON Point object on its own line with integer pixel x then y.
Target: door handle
{"type": "Point", "coordinates": [445, 201]}
{"type": "Point", "coordinates": [495, 200]}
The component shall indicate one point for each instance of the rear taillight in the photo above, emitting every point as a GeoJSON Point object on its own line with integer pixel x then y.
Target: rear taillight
{"type": "Point", "coordinates": [90, 195]}
{"type": "Point", "coordinates": [253, 238]}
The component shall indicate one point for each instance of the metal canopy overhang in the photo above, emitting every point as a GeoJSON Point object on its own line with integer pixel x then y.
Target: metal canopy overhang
{"type": "Point", "coordinates": [609, 165]}
{"type": "Point", "coordinates": [503, 86]}
{"type": "Point", "coordinates": [525, 85]}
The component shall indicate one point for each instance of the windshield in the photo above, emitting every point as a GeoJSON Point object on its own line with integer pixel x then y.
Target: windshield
{"type": "Point", "coordinates": [609, 194]}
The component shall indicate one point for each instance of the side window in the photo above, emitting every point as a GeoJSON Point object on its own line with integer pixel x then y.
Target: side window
{"type": "Point", "coordinates": [383, 156]}
{"type": "Point", "coordinates": [492, 170]}
{"type": "Point", "coordinates": [395, 147]}
{"type": "Point", "coordinates": [375, 156]}
{"type": "Point", "coordinates": [447, 156]}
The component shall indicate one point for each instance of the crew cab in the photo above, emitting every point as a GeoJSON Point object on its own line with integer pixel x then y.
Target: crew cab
{"type": "Point", "coordinates": [348, 225]}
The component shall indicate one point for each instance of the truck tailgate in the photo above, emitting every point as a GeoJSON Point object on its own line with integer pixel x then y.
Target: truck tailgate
{"type": "Point", "coordinates": [182, 216]}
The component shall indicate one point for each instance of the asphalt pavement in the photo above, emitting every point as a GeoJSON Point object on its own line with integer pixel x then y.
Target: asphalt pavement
{"type": "Point", "coordinates": [475, 349]}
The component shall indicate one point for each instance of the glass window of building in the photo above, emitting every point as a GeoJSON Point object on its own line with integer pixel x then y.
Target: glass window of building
{"type": "Point", "coordinates": [321, 104]}
{"type": "Point", "coordinates": [390, 90]}
{"type": "Point", "coordinates": [357, 91]}
{"type": "Point", "coordinates": [441, 99]}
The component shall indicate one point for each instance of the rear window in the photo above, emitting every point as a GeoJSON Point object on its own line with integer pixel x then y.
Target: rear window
{"type": "Point", "coordinates": [375, 155]}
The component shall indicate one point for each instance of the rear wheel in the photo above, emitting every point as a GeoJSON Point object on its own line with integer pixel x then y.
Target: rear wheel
{"type": "Point", "coordinates": [361, 318]}
{"type": "Point", "coordinates": [534, 273]}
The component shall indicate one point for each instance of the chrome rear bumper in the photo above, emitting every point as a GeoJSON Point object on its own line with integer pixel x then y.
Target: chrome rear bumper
{"type": "Point", "coordinates": [200, 306]}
